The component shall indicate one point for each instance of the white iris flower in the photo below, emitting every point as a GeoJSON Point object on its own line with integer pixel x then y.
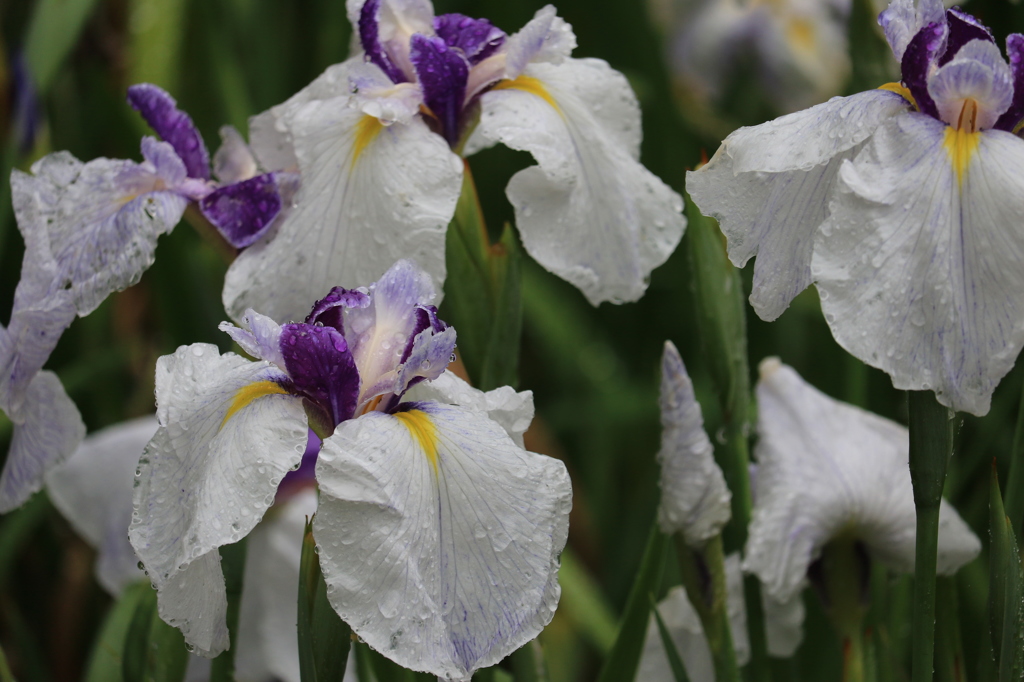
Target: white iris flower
{"type": "Point", "coordinates": [827, 469]}
{"type": "Point", "coordinates": [438, 535]}
{"type": "Point", "coordinates": [903, 205]}
{"type": "Point", "coordinates": [377, 140]}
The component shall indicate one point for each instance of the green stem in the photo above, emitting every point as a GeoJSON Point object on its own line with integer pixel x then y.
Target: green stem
{"type": "Point", "coordinates": [853, 657]}
{"type": "Point", "coordinates": [710, 601]}
{"type": "Point", "coordinates": [931, 442]}
{"type": "Point", "coordinates": [5, 670]}
{"type": "Point", "coordinates": [1015, 478]}
{"type": "Point", "coordinates": [232, 561]}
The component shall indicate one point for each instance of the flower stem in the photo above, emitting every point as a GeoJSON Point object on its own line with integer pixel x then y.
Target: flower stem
{"type": "Point", "coordinates": [232, 561]}
{"type": "Point", "coordinates": [931, 443]}
{"type": "Point", "coordinates": [1015, 478]}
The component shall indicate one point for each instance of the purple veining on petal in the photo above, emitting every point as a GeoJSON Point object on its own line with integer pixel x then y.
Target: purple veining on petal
{"type": "Point", "coordinates": [321, 367]}
{"type": "Point", "coordinates": [303, 477]}
{"type": "Point", "coordinates": [173, 125]}
{"type": "Point", "coordinates": [243, 211]}
{"type": "Point", "coordinates": [1012, 116]}
{"type": "Point", "coordinates": [369, 36]}
{"type": "Point", "coordinates": [918, 60]}
{"type": "Point", "coordinates": [963, 28]}
{"type": "Point", "coordinates": [430, 355]}
{"type": "Point", "coordinates": [477, 38]}
{"type": "Point", "coordinates": [330, 310]}
{"type": "Point", "coordinates": [442, 73]}
{"type": "Point", "coordinates": [426, 318]}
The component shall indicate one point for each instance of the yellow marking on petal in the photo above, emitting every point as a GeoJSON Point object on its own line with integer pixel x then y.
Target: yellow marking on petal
{"type": "Point", "coordinates": [960, 146]}
{"type": "Point", "coordinates": [245, 395]}
{"type": "Point", "coordinates": [366, 131]}
{"type": "Point", "coordinates": [901, 91]}
{"type": "Point", "coordinates": [423, 430]}
{"type": "Point", "coordinates": [531, 85]}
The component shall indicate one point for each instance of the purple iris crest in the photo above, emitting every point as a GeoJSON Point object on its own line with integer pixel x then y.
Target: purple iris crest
{"type": "Point", "coordinates": [242, 208]}
{"type": "Point", "coordinates": [358, 350]}
{"type": "Point", "coordinates": [441, 64]}
{"type": "Point", "coordinates": [955, 73]}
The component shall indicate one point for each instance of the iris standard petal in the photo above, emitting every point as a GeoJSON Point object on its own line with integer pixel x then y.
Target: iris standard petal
{"type": "Point", "coordinates": [826, 468]}
{"type": "Point", "coordinates": [920, 268]}
{"type": "Point", "coordinates": [769, 187]}
{"type": "Point", "coordinates": [229, 433]}
{"type": "Point", "coordinates": [902, 20]}
{"type": "Point", "coordinates": [97, 222]}
{"type": "Point", "coordinates": [93, 490]}
{"type": "Point", "coordinates": [589, 211]}
{"type": "Point", "coordinates": [978, 73]}
{"type": "Point", "coordinates": [261, 337]}
{"type": "Point", "coordinates": [439, 537]}
{"type": "Point", "coordinates": [46, 432]}
{"type": "Point", "coordinates": [243, 211]}
{"type": "Point", "coordinates": [694, 498]}
{"type": "Point", "coordinates": [371, 194]}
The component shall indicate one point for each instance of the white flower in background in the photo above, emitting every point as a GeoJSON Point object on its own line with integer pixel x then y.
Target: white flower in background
{"type": "Point", "coordinates": [438, 535]}
{"type": "Point", "coordinates": [377, 140]}
{"type": "Point", "coordinates": [903, 205]}
{"type": "Point", "coordinates": [827, 469]}
{"type": "Point", "coordinates": [684, 626]}
{"type": "Point", "coordinates": [91, 229]}
{"type": "Point", "coordinates": [694, 498]}
{"type": "Point", "coordinates": [93, 490]}
{"type": "Point", "coordinates": [796, 49]}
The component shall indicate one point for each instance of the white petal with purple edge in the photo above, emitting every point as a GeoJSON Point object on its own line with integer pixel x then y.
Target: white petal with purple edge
{"type": "Point", "coordinates": [228, 436]}
{"type": "Point", "coordinates": [770, 200]}
{"type": "Point", "coordinates": [978, 73]}
{"type": "Point", "coordinates": [589, 212]}
{"type": "Point", "coordinates": [921, 266]}
{"type": "Point", "coordinates": [46, 433]}
{"type": "Point", "coordinates": [545, 38]}
{"type": "Point", "coordinates": [261, 337]}
{"type": "Point", "coordinates": [439, 537]}
{"type": "Point", "coordinates": [687, 632]}
{"type": "Point", "coordinates": [904, 18]}
{"type": "Point", "coordinates": [371, 194]}
{"type": "Point", "coordinates": [826, 468]}
{"type": "Point", "coordinates": [510, 408]}
{"type": "Point", "coordinates": [93, 490]}
{"type": "Point", "coordinates": [694, 498]}
{"type": "Point", "coordinates": [97, 222]}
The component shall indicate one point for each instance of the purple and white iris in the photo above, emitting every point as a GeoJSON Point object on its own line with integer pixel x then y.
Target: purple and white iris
{"type": "Point", "coordinates": [378, 138]}
{"type": "Point", "coordinates": [903, 205]}
{"type": "Point", "coordinates": [91, 229]}
{"type": "Point", "coordinates": [438, 534]}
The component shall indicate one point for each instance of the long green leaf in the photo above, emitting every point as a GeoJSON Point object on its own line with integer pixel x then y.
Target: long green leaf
{"type": "Point", "coordinates": [1006, 590]}
{"type": "Point", "coordinates": [324, 638]}
{"type": "Point", "coordinates": [584, 604]}
{"type": "Point", "coordinates": [232, 563]}
{"type": "Point", "coordinates": [675, 662]}
{"type": "Point", "coordinates": [622, 661]}
{"type": "Point", "coordinates": [528, 663]}
{"type": "Point", "coordinates": [153, 651]}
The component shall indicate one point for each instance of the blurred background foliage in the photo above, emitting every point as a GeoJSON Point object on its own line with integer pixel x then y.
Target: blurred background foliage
{"type": "Point", "coordinates": [64, 67]}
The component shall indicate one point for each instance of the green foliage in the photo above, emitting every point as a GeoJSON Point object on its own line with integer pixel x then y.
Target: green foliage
{"type": "Point", "coordinates": [674, 661]}
{"type": "Point", "coordinates": [324, 639]}
{"type": "Point", "coordinates": [153, 651]}
{"type": "Point", "coordinates": [1006, 596]}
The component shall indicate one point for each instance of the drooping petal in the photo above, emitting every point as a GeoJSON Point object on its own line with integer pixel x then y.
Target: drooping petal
{"type": "Point", "coordinates": [370, 194]}
{"type": "Point", "coordinates": [173, 125]}
{"type": "Point", "coordinates": [589, 212]}
{"type": "Point", "coordinates": [228, 435]}
{"type": "Point", "coordinates": [1015, 51]}
{"type": "Point", "coordinates": [93, 490]}
{"type": "Point", "coordinates": [783, 624]}
{"type": "Point", "coordinates": [902, 20]}
{"type": "Point", "coordinates": [545, 38]}
{"type": "Point", "coordinates": [919, 266]}
{"type": "Point", "coordinates": [96, 223]}
{"type": "Point", "coordinates": [694, 498]}
{"type": "Point", "coordinates": [321, 367]}
{"type": "Point", "coordinates": [46, 432]}
{"type": "Point", "coordinates": [687, 632]}
{"type": "Point", "coordinates": [504, 405]}
{"type": "Point", "coordinates": [439, 537]}
{"type": "Point", "coordinates": [242, 212]}
{"type": "Point", "coordinates": [769, 187]}
{"type": "Point", "coordinates": [442, 72]}
{"type": "Point", "coordinates": [978, 73]}
{"type": "Point", "coordinates": [234, 161]}
{"type": "Point", "coordinates": [825, 467]}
